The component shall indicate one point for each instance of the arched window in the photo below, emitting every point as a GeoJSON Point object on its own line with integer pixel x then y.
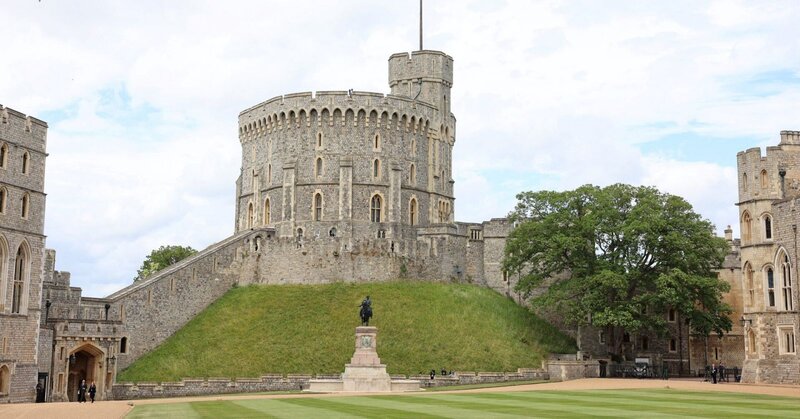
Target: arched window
{"type": "Point", "coordinates": [744, 181]}
{"type": "Point", "coordinates": [25, 202]}
{"type": "Point", "coordinates": [746, 230]}
{"type": "Point", "coordinates": [751, 341]}
{"type": "Point", "coordinates": [767, 227]}
{"type": "Point", "coordinates": [25, 158]}
{"type": "Point", "coordinates": [412, 212]}
{"type": "Point", "coordinates": [319, 140]}
{"type": "Point", "coordinates": [751, 286]}
{"type": "Point", "coordinates": [250, 215]}
{"type": "Point", "coordinates": [3, 198]}
{"type": "Point", "coordinates": [123, 345]}
{"type": "Point", "coordinates": [375, 208]}
{"type": "Point", "coordinates": [764, 180]}
{"type": "Point", "coordinates": [269, 174]}
{"type": "Point", "coordinates": [266, 212]}
{"type": "Point", "coordinates": [318, 166]}
{"type": "Point", "coordinates": [376, 145]}
{"type": "Point", "coordinates": [5, 380]}
{"type": "Point", "coordinates": [786, 283]}
{"type": "Point", "coordinates": [376, 168]}
{"type": "Point", "coordinates": [414, 146]}
{"type": "Point", "coordinates": [317, 207]}
{"type": "Point", "coordinates": [3, 274]}
{"type": "Point", "coordinates": [20, 275]}
{"type": "Point", "coordinates": [770, 287]}
{"type": "Point", "coordinates": [3, 156]}
{"type": "Point", "coordinates": [299, 234]}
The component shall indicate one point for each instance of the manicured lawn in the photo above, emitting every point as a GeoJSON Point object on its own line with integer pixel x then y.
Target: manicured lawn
{"type": "Point", "coordinates": [656, 403]}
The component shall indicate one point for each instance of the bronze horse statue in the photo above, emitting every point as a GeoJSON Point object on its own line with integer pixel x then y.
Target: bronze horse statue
{"type": "Point", "coordinates": [366, 311]}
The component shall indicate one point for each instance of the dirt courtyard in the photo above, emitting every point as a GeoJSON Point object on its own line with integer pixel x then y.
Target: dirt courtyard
{"type": "Point", "coordinates": [118, 409]}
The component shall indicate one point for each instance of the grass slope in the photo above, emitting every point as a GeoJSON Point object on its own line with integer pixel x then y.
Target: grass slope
{"type": "Point", "coordinates": [544, 404]}
{"type": "Point", "coordinates": [310, 329]}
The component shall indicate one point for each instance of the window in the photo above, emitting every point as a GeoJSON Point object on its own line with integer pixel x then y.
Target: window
{"type": "Point", "coordinates": [626, 337]}
{"type": "Point", "coordinates": [786, 284]}
{"type": "Point", "coordinates": [269, 174]}
{"type": "Point", "coordinates": [25, 158]}
{"type": "Point", "coordinates": [770, 288]}
{"type": "Point", "coordinates": [376, 168]}
{"type": "Point", "coordinates": [20, 273]}
{"type": "Point", "coordinates": [764, 180]}
{"type": "Point", "coordinates": [786, 336]}
{"type": "Point", "coordinates": [413, 146]}
{"type": "Point", "coordinates": [474, 234]}
{"type": "Point", "coordinates": [671, 315]}
{"type": "Point", "coordinates": [172, 284]}
{"type": "Point", "coordinates": [716, 353]}
{"type": "Point", "coordinates": [601, 336]}
{"type": "Point", "coordinates": [3, 196]}
{"type": "Point", "coordinates": [412, 175]}
{"type": "Point", "coordinates": [3, 156]}
{"type": "Point", "coordinates": [319, 140]}
{"type": "Point", "coordinates": [5, 380]}
{"type": "Point", "coordinates": [505, 276]}
{"type": "Point", "coordinates": [767, 227]}
{"type": "Point", "coordinates": [673, 345]}
{"type": "Point", "coordinates": [25, 199]}
{"type": "Point", "coordinates": [645, 343]}
{"type": "Point", "coordinates": [751, 287]}
{"type": "Point", "coordinates": [123, 345]}
{"type": "Point", "coordinates": [381, 234]}
{"type": "Point", "coordinates": [299, 234]}
{"type": "Point", "coordinates": [332, 232]}
{"type": "Point", "coordinates": [746, 221]}
{"type": "Point", "coordinates": [376, 145]}
{"type": "Point", "coordinates": [751, 341]}
{"type": "Point", "coordinates": [412, 212]}
{"type": "Point", "coordinates": [318, 167]}
{"type": "Point", "coordinates": [266, 212]}
{"type": "Point", "coordinates": [250, 215]}
{"type": "Point", "coordinates": [375, 208]}
{"type": "Point", "coordinates": [317, 207]}
{"type": "Point", "coordinates": [149, 297]}
{"type": "Point", "coordinates": [744, 181]}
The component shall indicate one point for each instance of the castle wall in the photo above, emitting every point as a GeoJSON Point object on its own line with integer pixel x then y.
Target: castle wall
{"type": "Point", "coordinates": [23, 142]}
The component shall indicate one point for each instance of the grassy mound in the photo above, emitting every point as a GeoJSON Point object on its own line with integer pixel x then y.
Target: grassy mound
{"type": "Point", "coordinates": [309, 329]}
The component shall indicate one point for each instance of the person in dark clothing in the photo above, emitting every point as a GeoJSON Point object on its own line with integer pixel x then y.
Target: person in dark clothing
{"type": "Point", "coordinates": [433, 374]}
{"type": "Point", "coordinates": [92, 391]}
{"type": "Point", "coordinates": [82, 392]}
{"type": "Point", "coordinates": [714, 373]}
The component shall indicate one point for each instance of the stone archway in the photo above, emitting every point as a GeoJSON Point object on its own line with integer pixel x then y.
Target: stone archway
{"type": "Point", "coordinates": [85, 363]}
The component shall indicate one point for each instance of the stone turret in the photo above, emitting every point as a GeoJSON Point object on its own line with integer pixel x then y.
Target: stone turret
{"type": "Point", "coordinates": [426, 76]}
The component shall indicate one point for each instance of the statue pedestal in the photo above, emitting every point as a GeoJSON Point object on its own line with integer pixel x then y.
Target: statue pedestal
{"type": "Point", "coordinates": [364, 373]}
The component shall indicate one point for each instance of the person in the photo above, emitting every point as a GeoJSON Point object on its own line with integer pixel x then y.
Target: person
{"type": "Point", "coordinates": [39, 392]}
{"type": "Point", "coordinates": [433, 374]}
{"type": "Point", "coordinates": [714, 373]}
{"type": "Point", "coordinates": [82, 392]}
{"type": "Point", "coordinates": [722, 372]}
{"type": "Point", "coordinates": [92, 391]}
{"type": "Point", "coordinates": [444, 372]}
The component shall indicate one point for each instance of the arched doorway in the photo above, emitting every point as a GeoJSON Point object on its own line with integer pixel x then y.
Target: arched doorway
{"type": "Point", "coordinates": [85, 363]}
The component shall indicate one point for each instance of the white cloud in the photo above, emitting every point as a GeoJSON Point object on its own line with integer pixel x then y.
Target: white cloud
{"type": "Point", "coordinates": [143, 99]}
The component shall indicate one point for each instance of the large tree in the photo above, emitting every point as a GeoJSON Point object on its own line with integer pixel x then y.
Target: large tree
{"type": "Point", "coordinates": [162, 257]}
{"type": "Point", "coordinates": [618, 257]}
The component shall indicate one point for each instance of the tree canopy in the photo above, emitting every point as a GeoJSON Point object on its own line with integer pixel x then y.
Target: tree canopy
{"type": "Point", "coordinates": [618, 257]}
{"type": "Point", "coordinates": [162, 257]}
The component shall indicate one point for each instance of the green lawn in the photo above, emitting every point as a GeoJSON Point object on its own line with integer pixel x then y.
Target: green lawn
{"type": "Point", "coordinates": [309, 329]}
{"type": "Point", "coordinates": [659, 403]}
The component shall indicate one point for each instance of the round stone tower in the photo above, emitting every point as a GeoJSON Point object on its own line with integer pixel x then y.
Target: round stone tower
{"type": "Point", "coordinates": [352, 164]}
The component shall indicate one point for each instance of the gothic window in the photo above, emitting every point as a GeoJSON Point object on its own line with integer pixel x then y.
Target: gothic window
{"type": "Point", "coordinates": [266, 212]}
{"type": "Point", "coordinates": [414, 146]}
{"type": "Point", "coordinates": [318, 166]}
{"type": "Point", "coordinates": [3, 198]}
{"type": "Point", "coordinates": [787, 342]}
{"type": "Point", "coordinates": [744, 181]}
{"type": "Point", "coordinates": [25, 158]}
{"type": "Point", "coordinates": [269, 174]}
{"type": "Point", "coordinates": [412, 175]}
{"type": "Point", "coordinates": [764, 180]}
{"type": "Point", "coordinates": [412, 212]}
{"type": "Point", "coordinates": [317, 207]}
{"type": "Point", "coordinates": [20, 273]}
{"type": "Point", "coordinates": [319, 140]}
{"type": "Point", "coordinates": [3, 270]}
{"type": "Point", "coordinates": [25, 203]}
{"type": "Point", "coordinates": [786, 283]}
{"type": "Point", "coordinates": [3, 156]}
{"type": "Point", "coordinates": [746, 222]}
{"type": "Point", "coordinates": [767, 227]}
{"type": "Point", "coordinates": [751, 287]}
{"type": "Point", "coordinates": [250, 214]}
{"type": "Point", "coordinates": [375, 208]}
{"type": "Point", "coordinates": [376, 168]}
{"type": "Point", "coordinates": [376, 144]}
{"type": "Point", "coordinates": [770, 288]}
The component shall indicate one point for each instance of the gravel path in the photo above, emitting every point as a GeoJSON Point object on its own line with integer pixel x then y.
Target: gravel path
{"type": "Point", "coordinates": [118, 409]}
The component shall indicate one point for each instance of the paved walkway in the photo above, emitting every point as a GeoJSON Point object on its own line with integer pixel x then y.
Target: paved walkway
{"type": "Point", "coordinates": [118, 409]}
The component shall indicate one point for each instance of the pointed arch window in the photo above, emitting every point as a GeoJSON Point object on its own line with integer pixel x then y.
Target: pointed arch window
{"type": "Point", "coordinates": [770, 288]}
{"type": "Point", "coordinates": [25, 204]}
{"type": "Point", "coordinates": [786, 284]}
{"type": "Point", "coordinates": [746, 227]}
{"type": "Point", "coordinates": [767, 227]}
{"type": "Point", "coordinates": [20, 274]}
{"type": "Point", "coordinates": [319, 140]}
{"type": "Point", "coordinates": [267, 211]}
{"type": "Point", "coordinates": [744, 181]}
{"type": "Point", "coordinates": [25, 160]}
{"type": "Point", "coordinates": [376, 144]}
{"type": "Point", "coordinates": [412, 174]}
{"type": "Point", "coordinates": [318, 166]}
{"type": "Point", "coordinates": [3, 156]}
{"type": "Point", "coordinates": [376, 168]}
{"type": "Point", "coordinates": [317, 206]}
{"type": "Point", "coordinates": [250, 215]}
{"type": "Point", "coordinates": [269, 174]}
{"type": "Point", "coordinates": [3, 198]}
{"type": "Point", "coordinates": [764, 180]}
{"type": "Point", "coordinates": [376, 204]}
{"type": "Point", "coordinates": [412, 212]}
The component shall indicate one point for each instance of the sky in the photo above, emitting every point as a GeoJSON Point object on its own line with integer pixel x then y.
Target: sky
{"type": "Point", "coordinates": [142, 99]}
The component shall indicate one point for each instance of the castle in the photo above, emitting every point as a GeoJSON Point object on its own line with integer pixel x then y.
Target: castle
{"type": "Point", "coordinates": [334, 186]}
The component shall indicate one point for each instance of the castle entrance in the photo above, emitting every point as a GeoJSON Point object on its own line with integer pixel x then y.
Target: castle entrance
{"type": "Point", "coordinates": [85, 363]}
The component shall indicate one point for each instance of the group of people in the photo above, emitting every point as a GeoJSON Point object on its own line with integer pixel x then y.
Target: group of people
{"type": "Point", "coordinates": [82, 390]}
{"type": "Point", "coordinates": [717, 371]}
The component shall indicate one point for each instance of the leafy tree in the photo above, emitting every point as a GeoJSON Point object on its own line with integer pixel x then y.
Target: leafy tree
{"type": "Point", "coordinates": [162, 257]}
{"type": "Point", "coordinates": [618, 257]}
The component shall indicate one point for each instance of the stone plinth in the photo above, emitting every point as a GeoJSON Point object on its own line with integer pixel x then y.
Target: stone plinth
{"type": "Point", "coordinates": [364, 373]}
